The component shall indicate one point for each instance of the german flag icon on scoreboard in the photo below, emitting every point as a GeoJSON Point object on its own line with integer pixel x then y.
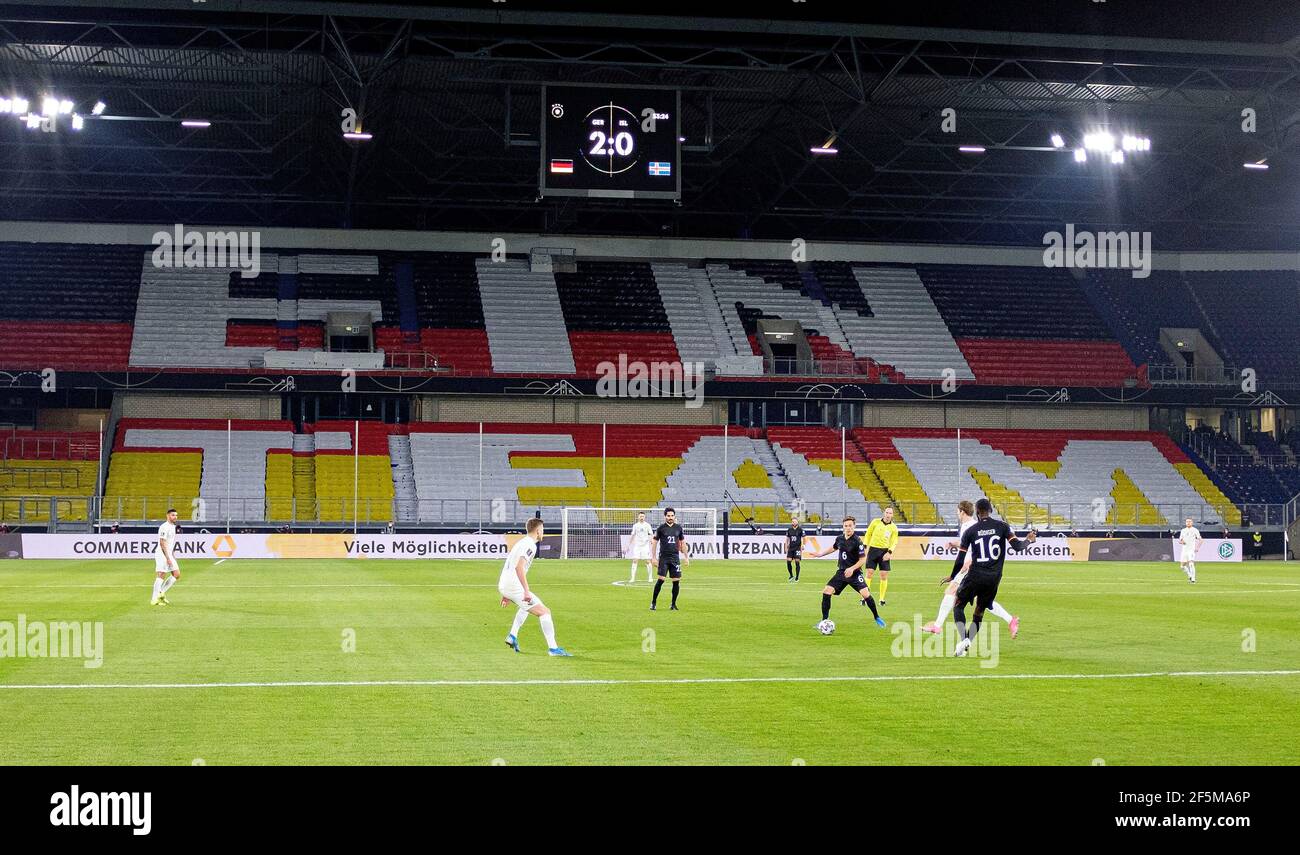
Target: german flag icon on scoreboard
{"type": "Point", "coordinates": [562, 166]}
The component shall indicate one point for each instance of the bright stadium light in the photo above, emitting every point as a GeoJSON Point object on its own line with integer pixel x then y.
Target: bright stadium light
{"type": "Point", "coordinates": [971, 149]}
{"type": "Point", "coordinates": [358, 135]}
{"type": "Point", "coordinates": [98, 109]}
{"type": "Point", "coordinates": [1117, 156]}
{"type": "Point", "coordinates": [6, 105]}
{"type": "Point", "coordinates": [49, 106]}
{"type": "Point", "coordinates": [195, 123]}
{"type": "Point", "coordinates": [1099, 141]}
{"type": "Point", "coordinates": [65, 106]}
{"type": "Point", "coordinates": [77, 122]}
{"type": "Point", "coordinates": [1132, 143]}
{"type": "Point", "coordinates": [1080, 155]}
{"type": "Point", "coordinates": [1058, 141]}
{"type": "Point", "coordinates": [33, 121]}
{"type": "Point", "coordinates": [20, 106]}
{"type": "Point", "coordinates": [1258, 165]}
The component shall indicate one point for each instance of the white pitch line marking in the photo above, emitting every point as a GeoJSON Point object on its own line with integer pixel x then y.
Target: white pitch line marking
{"type": "Point", "coordinates": [684, 681]}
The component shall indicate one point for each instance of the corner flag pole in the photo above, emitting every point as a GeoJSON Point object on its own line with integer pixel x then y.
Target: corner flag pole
{"type": "Point", "coordinates": [228, 458]}
{"type": "Point", "coordinates": [99, 477]}
{"type": "Point", "coordinates": [356, 471]}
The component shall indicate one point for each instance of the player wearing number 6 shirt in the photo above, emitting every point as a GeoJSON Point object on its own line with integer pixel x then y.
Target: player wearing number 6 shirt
{"type": "Point", "coordinates": [965, 519]}
{"type": "Point", "coordinates": [852, 555]}
{"type": "Point", "coordinates": [1189, 540]}
{"type": "Point", "coordinates": [638, 545]}
{"type": "Point", "coordinates": [985, 545]}
{"type": "Point", "coordinates": [670, 541]}
{"type": "Point", "coordinates": [513, 586]}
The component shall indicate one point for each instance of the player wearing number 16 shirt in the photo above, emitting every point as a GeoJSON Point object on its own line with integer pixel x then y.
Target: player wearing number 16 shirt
{"type": "Point", "coordinates": [985, 546]}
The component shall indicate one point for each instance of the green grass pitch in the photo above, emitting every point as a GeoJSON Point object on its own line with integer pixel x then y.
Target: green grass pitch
{"type": "Point", "coordinates": [1126, 664]}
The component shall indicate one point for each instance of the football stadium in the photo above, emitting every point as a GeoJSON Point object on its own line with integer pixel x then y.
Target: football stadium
{"type": "Point", "coordinates": [519, 384]}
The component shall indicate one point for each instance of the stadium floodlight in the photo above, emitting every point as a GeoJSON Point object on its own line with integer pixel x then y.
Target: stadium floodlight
{"type": "Point", "coordinates": [1117, 156]}
{"type": "Point", "coordinates": [971, 149]}
{"type": "Point", "coordinates": [195, 123]}
{"type": "Point", "coordinates": [98, 109]}
{"type": "Point", "coordinates": [358, 135]}
{"type": "Point", "coordinates": [49, 106]}
{"type": "Point", "coordinates": [1259, 165]}
{"type": "Point", "coordinates": [33, 121]}
{"type": "Point", "coordinates": [77, 122]}
{"type": "Point", "coordinates": [65, 107]}
{"type": "Point", "coordinates": [1058, 141]}
{"type": "Point", "coordinates": [1132, 143]}
{"type": "Point", "coordinates": [1080, 155]}
{"type": "Point", "coordinates": [1099, 141]}
{"type": "Point", "coordinates": [6, 105]}
{"type": "Point", "coordinates": [19, 106]}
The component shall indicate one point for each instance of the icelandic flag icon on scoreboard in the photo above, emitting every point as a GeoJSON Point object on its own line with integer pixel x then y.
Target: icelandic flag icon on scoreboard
{"type": "Point", "coordinates": [562, 166]}
{"type": "Point", "coordinates": [659, 167]}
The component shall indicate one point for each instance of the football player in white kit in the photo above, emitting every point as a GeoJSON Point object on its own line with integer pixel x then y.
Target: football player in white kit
{"type": "Point", "coordinates": [1189, 540]}
{"type": "Point", "coordinates": [965, 519]}
{"type": "Point", "coordinates": [513, 586]}
{"type": "Point", "coordinates": [639, 547]}
{"type": "Point", "coordinates": [166, 571]}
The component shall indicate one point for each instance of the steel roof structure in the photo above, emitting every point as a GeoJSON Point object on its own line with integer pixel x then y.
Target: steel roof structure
{"type": "Point", "coordinates": [452, 96]}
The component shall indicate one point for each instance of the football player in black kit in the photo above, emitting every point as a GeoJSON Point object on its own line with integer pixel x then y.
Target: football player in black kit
{"type": "Point", "coordinates": [852, 555]}
{"type": "Point", "coordinates": [985, 547]}
{"type": "Point", "coordinates": [793, 548]}
{"type": "Point", "coordinates": [670, 544]}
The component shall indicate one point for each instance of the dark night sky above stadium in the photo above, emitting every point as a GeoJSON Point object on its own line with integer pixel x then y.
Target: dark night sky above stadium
{"type": "Point", "coordinates": [1217, 20]}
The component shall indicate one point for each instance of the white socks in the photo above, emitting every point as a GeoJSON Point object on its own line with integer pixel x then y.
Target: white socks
{"type": "Point", "coordinates": [520, 617]}
{"type": "Point", "coordinates": [632, 578]}
{"type": "Point", "coordinates": [1191, 570]}
{"type": "Point", "coordinates": [997, 610]}
{"type": "Point", "coordinates": [167, 583]}
{"type": "Point", "coordinates": [945, 608]}
{"type": "Point", "coordinates": [548, 630]}
{"type": "Point", "coordinates": [157, 587]}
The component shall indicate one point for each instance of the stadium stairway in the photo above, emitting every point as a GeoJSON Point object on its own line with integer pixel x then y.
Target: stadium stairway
{"type": "Point", "coordinates": [146, 448]}
{"type": "Point", "coordinates": [698, 332]}
{"type": "Point", "coordinates": [304, 476]}
{"type": "Point", "coordinates": [734, 286]}
{"type": "Point", "coordinates": [404, 494]}
{"type": "Point", "coordinates": [906, 330]}
{"type": "Point", "coordinates": [1255, 314]}
{"type": "Point", "coordinates": [336, 469]}
{"type": "Point", "coordinates": [524, 320]}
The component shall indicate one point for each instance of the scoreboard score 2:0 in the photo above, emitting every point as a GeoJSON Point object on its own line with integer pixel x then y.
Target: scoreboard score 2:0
{"type": "Point", "coordinates": [610, 142]}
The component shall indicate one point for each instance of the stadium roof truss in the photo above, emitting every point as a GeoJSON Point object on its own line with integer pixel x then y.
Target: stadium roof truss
{"type": "Point", "coordinates": [452, 97]}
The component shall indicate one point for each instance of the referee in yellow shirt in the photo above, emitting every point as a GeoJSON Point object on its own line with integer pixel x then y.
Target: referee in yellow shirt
{"type": "Point", "coordinates": [882, 537]}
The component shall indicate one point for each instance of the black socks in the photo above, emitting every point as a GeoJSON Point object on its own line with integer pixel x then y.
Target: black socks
{"type": "Point", "coordinates": [826, 606]}
{"type": "Point", "coordinates": [655, 599]}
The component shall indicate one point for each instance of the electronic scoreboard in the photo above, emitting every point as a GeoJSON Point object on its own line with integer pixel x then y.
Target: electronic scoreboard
{"type": "Point", "coordinates": [611, 142]}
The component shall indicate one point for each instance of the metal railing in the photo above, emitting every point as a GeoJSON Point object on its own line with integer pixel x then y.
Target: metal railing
{"type": "Point", "coordinates": [83, 512]}
{"type": "Point", "coordinates": [787, 365]}
{"type": "Point", "coordinates": [1193, 375]}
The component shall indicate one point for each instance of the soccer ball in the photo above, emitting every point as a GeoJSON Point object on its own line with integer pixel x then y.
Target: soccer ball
{"type": "Point", "coordinates": [826, 627]}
